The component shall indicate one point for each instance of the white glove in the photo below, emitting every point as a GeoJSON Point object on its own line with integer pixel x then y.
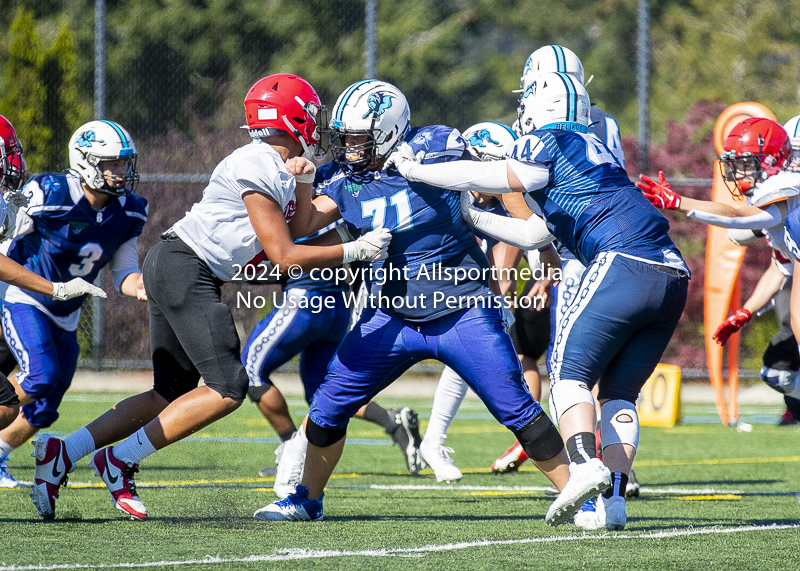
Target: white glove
{"type": "Point", "coordinates": [63, 291]}
{"type": "Point", "coordinates": [15, 200]}
{"type": "Point", "coordinates": [371, 247]}
{"type": "Point", "coordinates": [403, 159]}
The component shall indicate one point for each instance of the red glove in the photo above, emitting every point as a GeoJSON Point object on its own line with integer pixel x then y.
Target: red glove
{"type": "Point", "coordinates": [659, 194]}
{"type": "Point", "coordinates": [732, 325]}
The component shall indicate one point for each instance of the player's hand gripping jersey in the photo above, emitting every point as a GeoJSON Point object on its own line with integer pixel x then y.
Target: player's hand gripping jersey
{"type": "Point", "coordinates": [426, 224]}
{"type": "Point", "coordinates": [588, 202]}
{"type": "Point", "coordinates": [60, 237]}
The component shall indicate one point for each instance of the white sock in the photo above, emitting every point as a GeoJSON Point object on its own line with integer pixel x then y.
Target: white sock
{"type": "Point", "coordinates": [134, 449]}
{"type": "Point", "coordinates": [5, 448]}
{"type": "Point", "coordinates": [450, 391]}
{"type": "Point", "coordinates": [78, 445]}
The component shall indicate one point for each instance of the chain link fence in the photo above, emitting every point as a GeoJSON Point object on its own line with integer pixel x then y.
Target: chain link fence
{"type": "Point", "coordinates": [175, 74]}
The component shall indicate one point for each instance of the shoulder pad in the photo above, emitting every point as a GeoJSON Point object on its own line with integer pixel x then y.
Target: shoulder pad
{"type": "Point", "coordinates": [440, 143]}
{"type": "Point", "coordinates": [775, 189]}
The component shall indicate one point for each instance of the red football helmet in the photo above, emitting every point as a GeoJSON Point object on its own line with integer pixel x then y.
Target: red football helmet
{"type": "Point", "coordinates": [285, 102]}
{"type": "Point", "coordinates": [755, 149]}
{"type": "Point", "coordinates": [13, 170]}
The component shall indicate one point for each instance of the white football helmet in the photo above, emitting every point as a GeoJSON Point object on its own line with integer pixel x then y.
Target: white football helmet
{"type": "Point", "coordinates": [548, 59]}
{"type": "Point", "coordinates": [489, 141]}
{"type": "Point", "coordinates": [102, 141]}
{"type": "Point", "coordinates": [792, 127]}
{"type": "Point", "coordinates": [554, 101]}
{"type": "Point", "coordinates": [372, 109]}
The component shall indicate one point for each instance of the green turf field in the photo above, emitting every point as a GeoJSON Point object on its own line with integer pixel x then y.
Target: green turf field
{"type": "Point", "coordinates": [712, 498]}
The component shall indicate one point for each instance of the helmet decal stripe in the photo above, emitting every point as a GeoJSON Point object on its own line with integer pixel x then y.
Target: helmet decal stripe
{"type": "Point", "coordinates": [507, 128]}
{"type": "Point", "coordinates": [572, 100]}
{"type": "Point", "coordinates": [561, 62]}
{"type": "Point", "coordinates": [347, 95]}
{"type": "Point", "coordinates": [126, 144]}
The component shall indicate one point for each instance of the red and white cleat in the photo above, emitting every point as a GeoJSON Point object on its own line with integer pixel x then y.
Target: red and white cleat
{"type": "Point", "coordinates": [118, 477]}
{"type": "Point", "coordinates": [511, 460]}
{"type": "Point", "coordinates": [52, 467]}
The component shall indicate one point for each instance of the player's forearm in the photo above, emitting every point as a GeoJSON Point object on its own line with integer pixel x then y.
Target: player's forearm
{"type": "Point", "coordinates": [13, 273]}
{"type": "Point", "coordinates": [689, 204]}
{"type": "Point", "coordinates": [129, 285]}
{"type": "Point", "coordinates": [492, 176]}
{"type": "Point", "coordinates": [750, 218]}
{"type": "Point", "coordinates": [766, 288]}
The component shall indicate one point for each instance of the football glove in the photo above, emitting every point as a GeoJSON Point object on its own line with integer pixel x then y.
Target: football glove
{"type": "Point", "coordinates": [63, 291]}
{"type": "Point", "coordinates": [660, 194]}
{"type": "Point", "coordinates": [403, 159]}
{"type": "Point", "coordinates": [732, 325]}
{"type": "Point", "coordinates": [370, 247]}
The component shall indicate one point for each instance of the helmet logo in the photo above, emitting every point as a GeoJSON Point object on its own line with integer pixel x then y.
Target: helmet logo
{"type": "Point", "coordinates": [87, 138]}
{"type": "Point", "coordinates": [423, 139]}
{"type": "Point", "coordinates": [528, 91]}
{"type": "Point", "coordinates": [481, 138]}
{"type": "Point", "coordinates": [378, 103]}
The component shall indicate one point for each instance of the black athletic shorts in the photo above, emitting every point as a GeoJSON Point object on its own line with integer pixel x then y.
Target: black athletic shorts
{"type": "Point", "coordinates": [531, 330]}
{"type": "Point", "coordinates": [8, 396]}
{"type": "Point", "coordinates": [192, 333]}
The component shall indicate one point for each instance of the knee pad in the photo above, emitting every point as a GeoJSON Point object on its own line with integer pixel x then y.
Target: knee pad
{"type": "Point", "coordinates": [323, 437]}
{"type": "Point", "coordinates": [540, 439]}
{"type": "Point", "coordinates": [565, 394]}
{"type": "Point", "coordinates": [619, 423]}
{"type": "Point", "coordinates": [255, 393]}
{"type": "Point", "coordinates": [785, 382]}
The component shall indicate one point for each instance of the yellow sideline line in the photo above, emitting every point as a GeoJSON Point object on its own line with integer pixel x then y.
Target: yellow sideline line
{"type": "Point", "coordinates": [710, 497]}
{"type": "Point", "coordinates": [717, 461]}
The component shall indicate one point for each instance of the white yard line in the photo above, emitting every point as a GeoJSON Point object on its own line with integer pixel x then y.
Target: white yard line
{"type": "Point", "coordinates": [298, 554]}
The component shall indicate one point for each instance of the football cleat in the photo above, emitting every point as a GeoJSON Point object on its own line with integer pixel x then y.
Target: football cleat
{"type": "Point", "coordinates": [119, 479]}
{"type": "Point", "coordinates": [290, 466]}
{"type": "Point", "coordinates": [633, 489]}
{"type": "Point", "coordinates": [787, 419]}
{"type": "Point", "coordinates": [591, 515]}
{"type": "Point", "coordinates": [273, 470]}
{"type": "Point", "coordinates": [511, 460]}
{"type": "Point", "coordinates": [586, 480]}
{"type": "Point", "coordinates": [406, 436]}
{"type": "Point", "coordinates": [295, 507]}
{"type": "Point", "coordinates": [52, 467]}
{"type": "Point", "coordinates": [437, 456]}
{"type": "Point", "coordinates": [616, 513]}
{"type": "Point", "coordinates": [6, 479]}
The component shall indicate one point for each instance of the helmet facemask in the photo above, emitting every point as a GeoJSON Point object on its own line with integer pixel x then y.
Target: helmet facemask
{"type": "Point", "coordinates": [12, 167]}
{"type": "Point", "coordinates": [99, 182]}
{"type": "Point", "coordinates": [746, 170]}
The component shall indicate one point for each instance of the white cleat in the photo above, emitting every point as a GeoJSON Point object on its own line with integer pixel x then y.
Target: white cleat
{"type": "Point", "coordinates": [591, 515]}
{"type": "Point", "coordinates": [616, 513]}
{"type": "Point", "coordinates": [586, 480]}
{"type": "Point", "coordinates": [290, 467]}
{"type": "Point", "coordinates": [6, 479]}
{"type": "Point", "coordinates": [437, 456]}
{"type": "Point", "coordinates": [295, 507]}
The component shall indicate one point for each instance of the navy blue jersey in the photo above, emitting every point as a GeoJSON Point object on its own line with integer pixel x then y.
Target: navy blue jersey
{"type": "Point", "coordinates": [70, 239]}
{"type": "Point", "coordinates": [791, 236]}
{"type": "Point", "coordinates": [588, 202]}
{"type": "Point", "coordinates": [425, 221]}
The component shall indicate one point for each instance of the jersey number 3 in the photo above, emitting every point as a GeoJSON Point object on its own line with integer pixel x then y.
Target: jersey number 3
{"type": "Point", "coordinates": [89, 254]}
{"type": "Point", "coordinates": [375, 208]}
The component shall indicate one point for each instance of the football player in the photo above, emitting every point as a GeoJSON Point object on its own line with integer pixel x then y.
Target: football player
{"type": "Point", "coordinates": [311, 321]}
{"type": "Point", "coordinates": [12, 176]}
{"type": "Point", "coordinates": [73, 225]}
{"type": "Point", "coordinates": [756, 159]}
{"type": "Point", "coordinates": [244, 209]}
{"type": "Point", "coordinates": [530, 330]}
{"type": "Point", "coordinates": [574, 182]}
{"type": "Point", "coordinates": [417, 309]}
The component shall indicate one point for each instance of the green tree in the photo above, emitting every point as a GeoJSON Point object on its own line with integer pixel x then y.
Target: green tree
{"type": "Point", "coordinates": [25, 94]}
